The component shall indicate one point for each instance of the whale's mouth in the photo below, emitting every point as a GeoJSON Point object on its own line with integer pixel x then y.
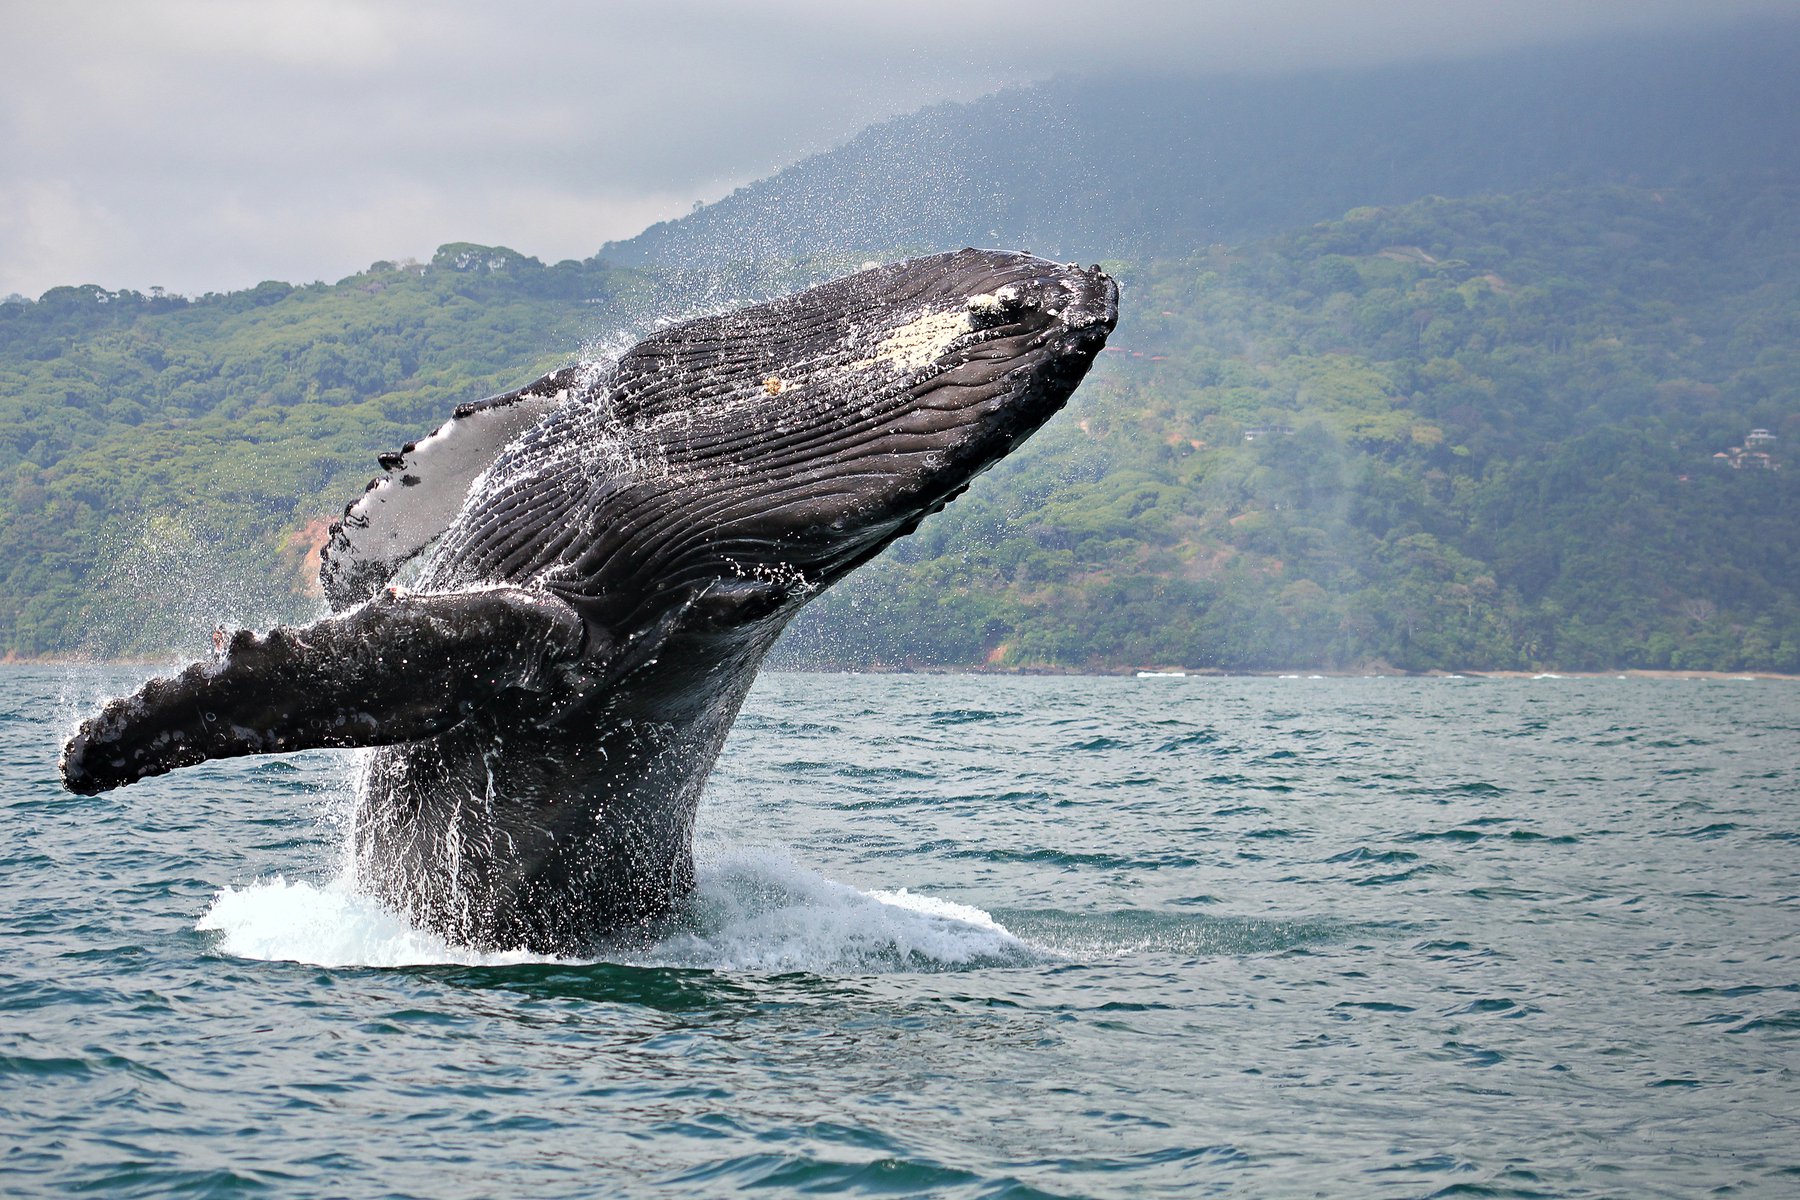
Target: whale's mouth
{"type": "Point", "coordinates": [1025, 295]}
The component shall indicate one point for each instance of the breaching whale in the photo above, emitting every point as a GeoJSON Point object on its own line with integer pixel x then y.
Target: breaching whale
{"type": "Point", "coordinates": [607, 555]}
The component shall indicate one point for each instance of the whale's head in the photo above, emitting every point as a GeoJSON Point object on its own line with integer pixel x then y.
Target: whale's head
{"type": "Point", "coordinates": [913, 380]}
{"type": "Point", "coordinates": [757, 456]}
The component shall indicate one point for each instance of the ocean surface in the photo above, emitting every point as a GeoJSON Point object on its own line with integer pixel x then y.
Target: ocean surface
{"type": "Point", "coordinates": [963, 937]}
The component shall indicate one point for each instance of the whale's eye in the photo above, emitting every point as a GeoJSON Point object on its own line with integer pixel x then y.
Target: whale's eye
{"type": "Point", "coordinates": [772, 385]}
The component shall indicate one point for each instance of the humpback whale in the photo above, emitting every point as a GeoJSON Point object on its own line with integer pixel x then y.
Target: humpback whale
{"type": "Point", "coordinates": [601, 560]}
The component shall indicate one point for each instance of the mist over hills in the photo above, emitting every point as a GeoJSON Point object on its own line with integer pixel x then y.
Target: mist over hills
{"type": "Point", "coordinates": [1450, 365]}
{"type": "Point", "coordinates": [1132, 167]}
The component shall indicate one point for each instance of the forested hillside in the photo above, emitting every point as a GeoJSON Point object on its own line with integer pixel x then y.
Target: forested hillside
{"type": "Point", "coordinates": [165, 462]}
{"type": "Point", "coordinates": [1452, 433]}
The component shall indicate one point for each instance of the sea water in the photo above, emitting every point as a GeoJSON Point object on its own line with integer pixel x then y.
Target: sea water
{"type": "Point", "coordinates": [962, 937]}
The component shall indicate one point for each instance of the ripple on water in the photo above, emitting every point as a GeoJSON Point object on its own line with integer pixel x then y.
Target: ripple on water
{"type": "Point", "coordinates": [967, 716]}
{"type": "Point", "coordinates": [962, 937]}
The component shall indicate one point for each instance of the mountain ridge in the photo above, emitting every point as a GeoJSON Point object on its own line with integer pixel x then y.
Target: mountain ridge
{"type": "Point", "coordinates": [1130, 167]}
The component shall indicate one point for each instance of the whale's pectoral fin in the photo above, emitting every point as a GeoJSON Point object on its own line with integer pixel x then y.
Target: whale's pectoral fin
{"type": "Point", "coordinates": [398, 668]}
{"type": "Point", "coordinates": [423, 487]}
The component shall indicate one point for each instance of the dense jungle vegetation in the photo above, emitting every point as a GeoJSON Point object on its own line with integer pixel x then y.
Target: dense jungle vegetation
{"type": "Point", "coordinates": [1451, 434]}
{"type": "Point", "coordinates": [1458, 434]}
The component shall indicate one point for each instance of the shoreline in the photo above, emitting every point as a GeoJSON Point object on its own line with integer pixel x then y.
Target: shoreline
{"type": "Point", "coordinates": [1746, 676]}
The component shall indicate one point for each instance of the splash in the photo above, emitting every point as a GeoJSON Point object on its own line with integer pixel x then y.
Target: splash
{"type": "Point", "coordinates": [329, 925]}
{"type": "Point", "coordinates": [166, 578]}
{"type": "Point", "coordinates": [755, 910]}
{"type": "Point", "coordinates": [752, 910]}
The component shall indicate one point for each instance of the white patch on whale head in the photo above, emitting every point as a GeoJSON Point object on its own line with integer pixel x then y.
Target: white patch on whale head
{"type": "Point", "coordinates": [993, 302]}
{"type": "Point", "coordinates": [919, 342]}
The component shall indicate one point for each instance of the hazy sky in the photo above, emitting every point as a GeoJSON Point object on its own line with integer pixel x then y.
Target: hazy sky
{"type": "Point", "coordinates": [204, 145]}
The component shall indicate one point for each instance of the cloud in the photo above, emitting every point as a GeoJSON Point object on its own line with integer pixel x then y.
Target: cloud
{"type": "Point", "coordinates": [208, 144]}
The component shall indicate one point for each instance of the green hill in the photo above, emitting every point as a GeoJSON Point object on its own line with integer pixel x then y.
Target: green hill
{"type": "Point", "coordinates": [1449, 434]}
{"type": "Point", "coordinates": [1457, 434]}
{"type": "Point", "coordinates": [165, 462]}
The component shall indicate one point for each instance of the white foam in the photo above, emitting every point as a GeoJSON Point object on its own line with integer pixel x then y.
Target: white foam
{"type": "Point", "coordinates": [757, 911]}
{"type": "Point", "coordinates": [329, 926]}
{"type": "Point", "coordinates": [752, 910]}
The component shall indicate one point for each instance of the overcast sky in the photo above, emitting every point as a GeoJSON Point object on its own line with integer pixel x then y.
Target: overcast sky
{"type": "Point", "coordinates": [205, 145]}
